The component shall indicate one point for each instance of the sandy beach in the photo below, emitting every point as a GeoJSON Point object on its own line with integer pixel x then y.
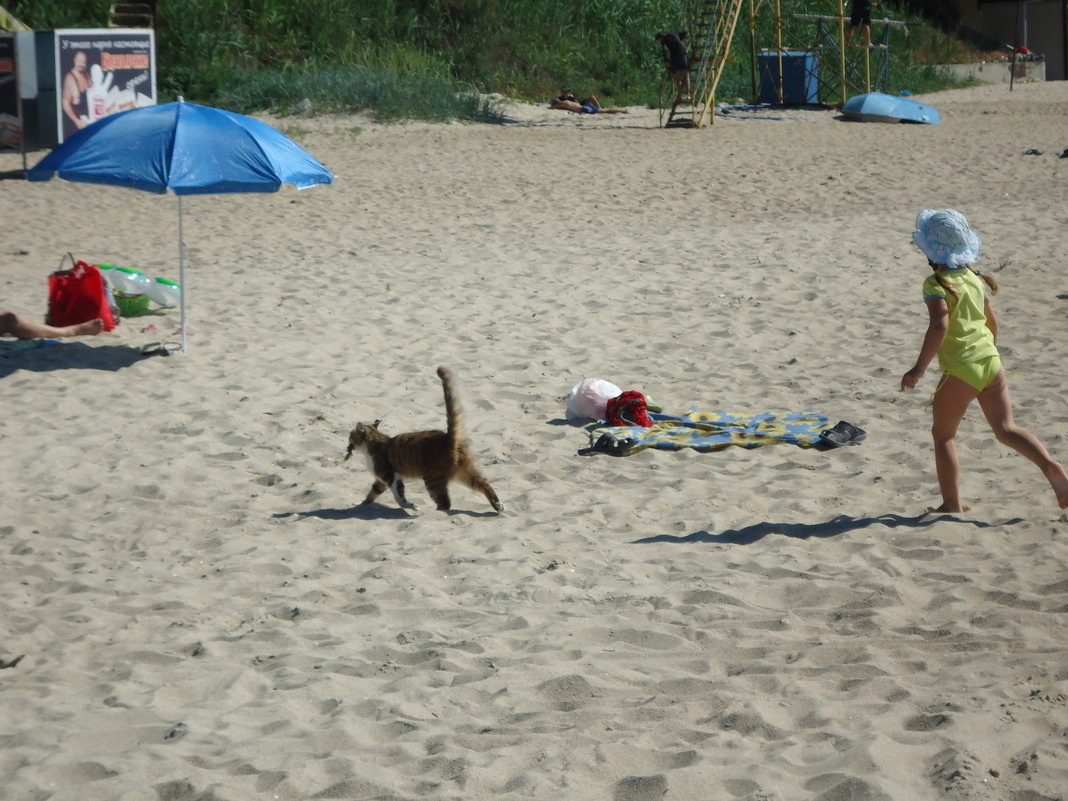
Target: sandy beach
{"type": "Point", "coordinates": [195, 607]}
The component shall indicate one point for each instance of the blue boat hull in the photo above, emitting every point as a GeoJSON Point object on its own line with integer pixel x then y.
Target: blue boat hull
{"type": "Point", "coordinates": [877, 107]}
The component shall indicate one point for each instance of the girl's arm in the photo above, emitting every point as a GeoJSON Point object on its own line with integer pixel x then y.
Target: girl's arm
{"type": "Point", "coordinates": [938, 312]}
{"type": "Point", "coordinates": [991, 319]}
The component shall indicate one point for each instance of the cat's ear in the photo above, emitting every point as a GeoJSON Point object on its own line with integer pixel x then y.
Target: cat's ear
{"type": "Point", "coordinates": [374, 425]}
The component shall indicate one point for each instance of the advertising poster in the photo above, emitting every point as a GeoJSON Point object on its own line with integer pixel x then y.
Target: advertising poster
{"type": "Point", "coordinates": [10, 123]}
{"type": "Point", "coordinates": [101, 72]}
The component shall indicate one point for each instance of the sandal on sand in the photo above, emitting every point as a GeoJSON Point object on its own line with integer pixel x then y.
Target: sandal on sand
{"type": "Point", "coordinates": [607, 444]}
{"type": "Point", "coordinates": [842, 434]}
{"type": "Point", "coordinates": [159, 349]}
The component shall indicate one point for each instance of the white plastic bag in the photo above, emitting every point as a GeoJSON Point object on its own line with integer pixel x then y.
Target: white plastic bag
{"type": "Point", "coordinates": [588, 399]}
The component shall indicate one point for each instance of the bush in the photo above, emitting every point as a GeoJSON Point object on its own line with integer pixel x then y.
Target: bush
{"type": "Point", "coordinates": [391, 96]}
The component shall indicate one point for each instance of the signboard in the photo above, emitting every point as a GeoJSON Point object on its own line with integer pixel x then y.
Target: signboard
{"type": "Point", "coordinates": [101, 72]}
{"type": "Point", "coordinates": [10, 121]}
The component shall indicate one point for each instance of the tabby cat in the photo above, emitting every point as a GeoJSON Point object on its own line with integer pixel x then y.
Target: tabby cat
{"type": "Point", "coordinates": [437, 457]}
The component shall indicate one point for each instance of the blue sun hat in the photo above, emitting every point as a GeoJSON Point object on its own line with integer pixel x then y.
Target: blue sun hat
{"type": "Point", "coordinates": [945, 237]}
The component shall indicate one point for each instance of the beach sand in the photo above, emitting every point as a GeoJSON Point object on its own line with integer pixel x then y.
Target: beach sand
{"type": "Point", "coordinates": [203, 613]}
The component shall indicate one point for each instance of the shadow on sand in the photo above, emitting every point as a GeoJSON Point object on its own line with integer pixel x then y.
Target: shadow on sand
{"type": "Point", "coordinates": [832, 528]}
{"type": "Point", "coordinates": [374, 511]}
{"type": "Point", "coordinates": [71, 356]}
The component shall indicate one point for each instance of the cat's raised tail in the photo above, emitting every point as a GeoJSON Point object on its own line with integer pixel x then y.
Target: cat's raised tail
{"type": "Point", "coordinates": [454, 423]}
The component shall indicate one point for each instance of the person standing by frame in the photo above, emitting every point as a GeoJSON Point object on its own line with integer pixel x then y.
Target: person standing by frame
{"type": "Point", "coordinates": [678, 62]}
{"type": "Point", "coordinates": [860, 16]}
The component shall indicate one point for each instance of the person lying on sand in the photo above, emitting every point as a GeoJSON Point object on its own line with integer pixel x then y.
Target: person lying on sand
{"type": "Point", "coordinates": [13, 325]}
{"type": "Point", "coordinates": [591, 105]}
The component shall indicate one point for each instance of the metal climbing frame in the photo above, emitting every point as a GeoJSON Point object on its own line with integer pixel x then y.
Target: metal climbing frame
{"type": "Point", "coordinates": [837, 69]}
{"type": "Point", "coordinates": [814, 43]}
{"type": "Point", "coordinates": [838, 73]}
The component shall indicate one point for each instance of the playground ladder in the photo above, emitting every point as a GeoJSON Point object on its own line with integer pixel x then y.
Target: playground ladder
{"type": "Point", "coordinates": [709, 47]}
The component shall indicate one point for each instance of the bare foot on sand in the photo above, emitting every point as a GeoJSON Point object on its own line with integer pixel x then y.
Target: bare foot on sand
{"type": "Point", "coordinates": [944, 510]}
{"type": "Point", "coordinates": [1058, 479]}
{"type": "Point", "coordinates": [88, 329]}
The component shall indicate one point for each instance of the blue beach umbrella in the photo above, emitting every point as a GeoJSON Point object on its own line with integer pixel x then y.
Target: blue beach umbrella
{"type": "Point", "coordinates": [186, 148]}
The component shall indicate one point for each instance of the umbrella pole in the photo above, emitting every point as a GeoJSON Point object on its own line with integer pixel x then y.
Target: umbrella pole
{"type": "Point", "coordinates": [181, 267]}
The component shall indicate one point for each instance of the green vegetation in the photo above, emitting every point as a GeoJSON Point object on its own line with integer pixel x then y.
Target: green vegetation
{"type": "Point", "coordinates": [392, 96]}
{"type": "Point", "coordinates": [433, 59]}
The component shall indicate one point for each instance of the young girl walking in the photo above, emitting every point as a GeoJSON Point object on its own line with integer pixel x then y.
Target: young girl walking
{"type": "Point", "coordinates": [962, 332]}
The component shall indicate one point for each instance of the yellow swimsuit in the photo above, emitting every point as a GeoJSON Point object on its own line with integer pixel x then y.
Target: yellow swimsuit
{"type": "Point", "coordinates": [968, 351]}
{"type": "Point", "coordinates": [980, 374]}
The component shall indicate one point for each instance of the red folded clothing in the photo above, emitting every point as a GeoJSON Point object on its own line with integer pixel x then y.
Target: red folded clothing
{"type": "Point", "coordinates": [629, 409]}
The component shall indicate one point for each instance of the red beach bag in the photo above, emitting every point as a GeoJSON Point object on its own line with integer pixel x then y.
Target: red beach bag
{"type": "Point", "coordinates": [79, 295]}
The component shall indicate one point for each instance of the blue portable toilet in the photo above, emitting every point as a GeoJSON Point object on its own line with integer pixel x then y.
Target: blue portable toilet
{"type": "Point", "coordinates": [799, 77]}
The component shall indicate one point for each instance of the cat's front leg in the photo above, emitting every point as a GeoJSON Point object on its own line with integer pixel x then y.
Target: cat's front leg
{"type": "Point", "coordinates": [377, 488]}
{"type": "Point", "coordinates": [398, 494]}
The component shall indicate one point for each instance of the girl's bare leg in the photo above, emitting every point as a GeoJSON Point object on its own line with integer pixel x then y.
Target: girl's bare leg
{"type": "Point", "coordinates": [951, 401]}
{"type": "Point", "coordinates": [997, 406]}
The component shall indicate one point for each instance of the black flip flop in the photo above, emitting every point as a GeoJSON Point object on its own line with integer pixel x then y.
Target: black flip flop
{"type": "Point", "coordinates": [843, 434]}
{"type": "Point", "coordinates": [607, 444]}
{"type": "Point", "coordinates": [160, 349]}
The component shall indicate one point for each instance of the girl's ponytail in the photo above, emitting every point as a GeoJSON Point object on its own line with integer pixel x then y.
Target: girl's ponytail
{"type": "Point", "coordinates": [990, 281]}
{"type": "Point", "coordinates": [942, 282]}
